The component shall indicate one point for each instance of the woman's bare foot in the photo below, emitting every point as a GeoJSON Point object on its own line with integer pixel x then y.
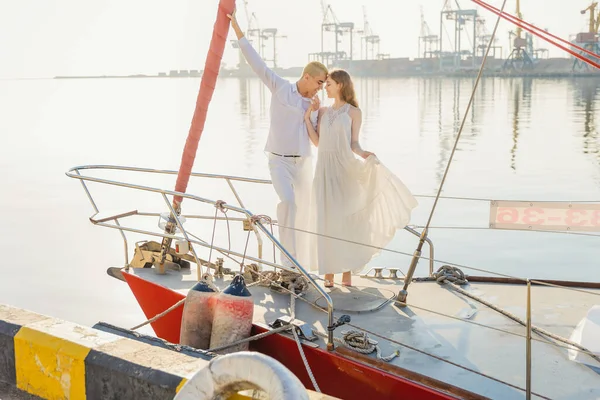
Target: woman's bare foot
{"type": "Point", "coordinates": [328, 280]}
{"type": "Point", "coordinates": [347, 279]}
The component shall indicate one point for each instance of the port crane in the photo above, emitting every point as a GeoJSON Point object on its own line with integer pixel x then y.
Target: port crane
{"type": "Point", "coordinates": [520, 57]}
{"type": "Point", "coordinates": [253, 30]}
{"type": "Point", "coordinates": [427, 39]}
{"type": "Point", "coordinates": [588, 40]}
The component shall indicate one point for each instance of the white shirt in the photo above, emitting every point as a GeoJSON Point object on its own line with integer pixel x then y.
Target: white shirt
{"type": "Point", "coordinates": [287, 132]}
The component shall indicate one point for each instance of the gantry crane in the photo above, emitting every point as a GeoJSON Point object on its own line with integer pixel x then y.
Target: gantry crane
{"type": "Point", "coordinates": [588, 40]}
{"type": "Point", "coordinates": [427, 39]}
{"type": "Point", "coordinates": [483, 39]}
{"type": "Point", "coordinates": [253, 30]}
{"type": "Point", "coordinates": [461, 18]}
{"type": "Point", "coordinates": [520, 56]}
{"type": "Point", "coordinates": [371, 40]}
{"type": "Point", "coordinates": [594, 22]}
{"type": "Point", "coordinates": [265, 35]}
{"type": "Point", "coordinates": [330, 23]}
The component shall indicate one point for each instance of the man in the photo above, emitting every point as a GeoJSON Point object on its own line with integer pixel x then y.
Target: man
{"type": "Point", "coordinates": [288, 145]}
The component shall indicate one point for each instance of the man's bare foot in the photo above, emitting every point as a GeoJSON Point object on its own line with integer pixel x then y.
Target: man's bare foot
{"type": "Point", "coordinates": [347, 279]}
{"type": "Point", "coordinates": [328, 280]}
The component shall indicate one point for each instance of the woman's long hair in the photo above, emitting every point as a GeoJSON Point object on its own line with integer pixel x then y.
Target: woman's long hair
{"type": "Point", "coordinates": [347, 91]}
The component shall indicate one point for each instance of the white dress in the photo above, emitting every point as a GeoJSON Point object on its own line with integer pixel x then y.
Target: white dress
{"type": "Point", "coordinates": [353, 199]}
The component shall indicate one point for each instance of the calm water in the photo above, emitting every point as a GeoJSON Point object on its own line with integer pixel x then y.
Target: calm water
{"type": "Point", "coordinates": [523, 139]}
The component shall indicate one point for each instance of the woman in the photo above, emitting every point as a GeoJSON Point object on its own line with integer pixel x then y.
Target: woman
{"type": "Point", "coordinates": [358, 201]}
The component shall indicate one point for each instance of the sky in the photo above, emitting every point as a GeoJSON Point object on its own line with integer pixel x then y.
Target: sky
{"type": "Point", "coordinates": [44, 38]}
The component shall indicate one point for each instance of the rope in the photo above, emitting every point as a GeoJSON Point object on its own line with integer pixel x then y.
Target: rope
{"type": "Point", "coordinates": [222, 252]}
{"type": "Point", "coordinates": [456, 227]}
{"type": "Point", "coordinates": [338, 340]}
{"type": "Point", "coordinates": [269, 220]}
{"type": "Point", "coordinates": [294, 281]}
{"type": "Point", "coordinates": [524, 323]}
{"type": "Point", "coordinates": [285, 280]}
{"type": "Point", "coordinates": [544, 341]}
{"type": "Point", "coordinates": [453, 275]}
{"type": "Point", "coordinates": [253, 220]}
{"type": "Point", "coordinates": [306, 365]}
{"type": "Point", "coordinates": [251, 338]}
{"type": "Point", "coordinates": [159, 316]}
{"type": "Point", "coordinates": [362, 343]}
{"type": "Point", "coordinates": [218, 205]}
{"type": "Point", "coordinates": [419, 351]}
{"type": "Point", "coordinates": [446, 273]}
{"type": "Point", "coordinates": [436, 260]}
{"type": "Point", "coordinates": [265, 276]}
{"type": "Point", "coordinates": [459, 133]}
{"type": "Point", "coordinates": [483, 199]}
{"type": "Point", "coordinates": [448, 361]}
{"type": "Point", "coordinates": [277, 330]}
{"type": "Point", "coordinates": [245, 251]}
{"type": "Point", "coordinates": [297, 338]}
{"type": "Point", "coordinates": [354, 340]}
{"type": "Point", "coordinates": [531, 29]}
{"type": "Point", "coordinates": [359, 342]}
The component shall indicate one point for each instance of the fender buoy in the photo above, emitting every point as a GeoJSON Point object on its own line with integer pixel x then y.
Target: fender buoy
{"type": "Point", "coordinates": [197, 320]}
{"type": "Point", "coordinates": [233, 312]}
{"type": "Point", "coordinates": [226, 375]}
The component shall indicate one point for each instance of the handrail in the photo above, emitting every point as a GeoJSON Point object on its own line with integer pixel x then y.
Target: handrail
{"type": "Point", "coordinates": [166, 172]}
{"type": "Point", "coordinates": [269, 182]}
{"type": "Point", "coordinates": [74, 173]}
{"type": "Point", "coordinates": [228, 179]}
{"type": "Point", "coordinates": [305, 274]}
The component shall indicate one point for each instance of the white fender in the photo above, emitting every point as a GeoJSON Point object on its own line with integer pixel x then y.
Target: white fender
{"type": "Point", "coordinates": [228, 374]}
{"type": "Point", "coordinates": [232, 320]}
{"type": "Point", "coordinates": [197, 319]}
{"type": "Point", "coordinates": [587, 334]}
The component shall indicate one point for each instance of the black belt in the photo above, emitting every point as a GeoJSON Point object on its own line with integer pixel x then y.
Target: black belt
{"type": "Point", "coordinates": [284, 155]}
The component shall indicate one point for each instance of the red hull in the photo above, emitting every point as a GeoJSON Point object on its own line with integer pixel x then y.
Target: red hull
{"type": "Point", "coordinates": [336, 375]}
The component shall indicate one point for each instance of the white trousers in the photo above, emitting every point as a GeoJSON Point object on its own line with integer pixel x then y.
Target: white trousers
{"type": "Point", "coordinates": [292, 181]}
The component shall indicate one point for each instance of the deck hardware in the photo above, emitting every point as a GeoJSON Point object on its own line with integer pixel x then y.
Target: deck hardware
{"type": "Point", "coordinates": [302, 328]}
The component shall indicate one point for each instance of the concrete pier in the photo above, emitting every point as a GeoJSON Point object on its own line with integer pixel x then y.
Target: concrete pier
{"type": "Point", "coordinates": [55, 359]}
{"type": "Point", "coordinates": [47, 358]}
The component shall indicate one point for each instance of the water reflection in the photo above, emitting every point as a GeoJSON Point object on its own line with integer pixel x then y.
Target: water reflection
{"type": "Point", "coordinates": [439, 110]}
{"type": "Point", "coordinates": [252, 110]}
{"type": "Point", "coordinates": [449, 125]}
{"type": "Point", "coordinates": [368, 93]}
{"type": "Point", "coordinates": [252, 96]}
{"type": "Point", "coordinates": [585, 94]}
{"type": "Point", "coordinates": [521, 96]}
{"type": "Point", "coordinates": [429, 95]}
{"type": "Point", "coordinates": [243, 96]}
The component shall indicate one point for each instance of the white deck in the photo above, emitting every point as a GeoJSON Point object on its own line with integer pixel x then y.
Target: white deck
{"type": "Point", "coordinates": [487, 351]}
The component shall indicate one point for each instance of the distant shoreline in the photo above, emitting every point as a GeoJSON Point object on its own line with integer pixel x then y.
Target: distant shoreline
{"type": "Point", "coordinates": [458, 74]}
{"type": "Point", "coordinates": [113, 76]}
{"type": "Point", "coordinates": [548, 68]}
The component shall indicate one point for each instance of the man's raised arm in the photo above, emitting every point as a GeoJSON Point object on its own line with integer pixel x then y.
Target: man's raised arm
{"type": "Point", "coordinates": [258, 65]}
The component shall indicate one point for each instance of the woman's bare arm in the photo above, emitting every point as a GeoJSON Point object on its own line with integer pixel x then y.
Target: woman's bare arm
{"type": "Point", "coordinates": [356, 116]}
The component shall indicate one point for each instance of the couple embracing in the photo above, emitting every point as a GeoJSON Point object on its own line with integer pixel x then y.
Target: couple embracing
{"type": "Point", "coordinates": [353, 205]}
